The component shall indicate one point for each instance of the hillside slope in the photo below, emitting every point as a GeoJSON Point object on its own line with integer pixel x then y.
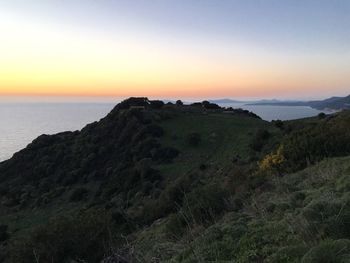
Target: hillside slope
{"type": "Point", "coordinates": [134, 163]}
{"type": "Point", "coordinates": [302, 217]}
{"type": "Point", "coordinates": [336, 103]}
{"type": "Point", "coordinates": [192, 183]}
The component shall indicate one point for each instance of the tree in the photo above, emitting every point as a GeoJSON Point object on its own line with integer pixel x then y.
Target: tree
{"type": "Point", "coordinates": [156, 104]}
{"type": "Point", "coordinates": [179, 103]}
{"type": "Point", "coordinates": [321, 115]}
{"type": "Point", "coordinates": [279, 124]}
{"type": "Point", "coordinates": [208, 105]}
{"type": "Point", "coordinates": [259, 140]}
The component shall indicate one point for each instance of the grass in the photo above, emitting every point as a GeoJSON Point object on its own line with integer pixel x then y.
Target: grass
{"type": "Point", "coordinates": [22, 221]}
{"type": "Point", "coordinates": [292, 222]}
{"type": "Point", "coordinates": [223, 137]}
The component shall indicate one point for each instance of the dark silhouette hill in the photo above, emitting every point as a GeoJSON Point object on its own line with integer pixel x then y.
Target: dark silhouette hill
{"type": "Point", "coordinates": [187, 183]}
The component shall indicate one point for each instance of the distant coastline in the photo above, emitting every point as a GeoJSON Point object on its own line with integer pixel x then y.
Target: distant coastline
{"type": "Point", "coordinates": [332, 104]}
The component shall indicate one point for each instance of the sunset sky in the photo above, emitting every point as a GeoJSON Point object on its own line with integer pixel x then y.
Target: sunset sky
{"type": "Point", "coordinates": [178, 48]}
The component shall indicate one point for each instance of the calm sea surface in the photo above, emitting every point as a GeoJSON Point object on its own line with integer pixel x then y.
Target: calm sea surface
{"type": "Point", "coordinates": [23, 122]}
{"type": "Point", "coordinates": [270, 113]}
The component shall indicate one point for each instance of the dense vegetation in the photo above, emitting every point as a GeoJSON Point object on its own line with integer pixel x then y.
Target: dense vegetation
{"type": "Point", "coordinates": [180, 183]}
{"type": "Point", "coordinates": [310, 142]}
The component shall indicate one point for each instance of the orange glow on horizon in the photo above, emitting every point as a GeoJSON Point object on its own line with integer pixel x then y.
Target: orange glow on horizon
{"type": "Point", "coordinates": [47, 61]}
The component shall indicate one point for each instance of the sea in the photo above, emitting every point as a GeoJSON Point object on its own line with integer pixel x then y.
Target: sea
{"type": "Point", "coordinates": [22, 122]}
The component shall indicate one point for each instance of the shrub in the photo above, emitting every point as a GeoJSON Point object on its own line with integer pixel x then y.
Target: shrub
{"type": "Point", "coordinates": [156, 104]}
{"type": "Point", "coordinates": [218, 243]}
{"type": "Point", "coordinates": [205, 203]}
{"type": "Point", "coordinates": [331, 217]}
{"type": "Point", "coordinates": [193, 139]}
{"type": "Point", "coordinates": [179, 103]}
{"type": "Point", "coordinates": [236, 204]}
{"type": "Point", "coordinates": [78, 194]}
{"type": "Point", "coordinates": [329, 251]}
{"type": "Point", "coordinates": [278, 123]}
{"type": "Point", "coordinates": [3, 233]}
{"type": "Point", "coordinates": [196, 104]}
{"type": "Point", "coordinates": [273, 162]}
{"type": "Point", "coordinates": [311, 144]}
{"type": "Point", "coordinates": [259, 140]}
{"type": "Point", "coordinates": [321, 115]}
{"type": "Point", "coordinates": [202, 167]}
{"type": "Point", "coordinates": [165, 154]}
{"type": "Point", "coordinates": [83, 237]}
{"type": "Point", "coordinates": [147, 188]}
{"type": "Point", "coordinates": [147, 134]}
{"type": "Point", "coordinates": [176, 226]}
{"type": "Point", "coordinates": [172, 196]}
{"type": "Point", "coordinates": [133, 101]}
{"type": "Point", "coordinates": [151, 175]}
{"type": "Point", "coordinates": [145, 148]}
{"type": "Point", "coordinates": [208, 105]}
{"type": "Point", "coordinates": [290, 254]}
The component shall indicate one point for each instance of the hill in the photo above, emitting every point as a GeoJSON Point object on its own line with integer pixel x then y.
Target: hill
{"type": "Point", "coordinates": [223, 101]}
{"type": "Point", "coordinates": [336, 103]}
{"type": "Point", "coordinates": [333, 103]}
{"type": "Point", "coordinates": [155, 181]}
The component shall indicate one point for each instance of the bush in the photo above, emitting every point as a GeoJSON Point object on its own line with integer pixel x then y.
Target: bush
{"type": "Point", "coordinates": [204, 204]}
{"type": "Point", "coordinates": [179, 103]}
{"type": "Point", "coordinates": [133, 101]}
{"type": "Point", "coordinates": [321, 115]}
{"type": "Point", "coordinates": [259, 140]}
{"type": "Point", "coordinates": [3, 233]}
{"type": "Point", "coordinates": [151, 175]}
{"type": "Point", "coordinates": [176, 226]}
{"type": "Point", "coordinates": [193, 139]}
{"type": "Point", "coordinates": [290, 254]}
{"type": "Point", "coordinates": [313, 143]}
{"type": "Point", "coordinates": [165, 154]}
{"type": "Point", "coordinates": [173, 195]}
{"type": "Point", "coordinates": [83, 237]}
{"type": "Point", "coordinates": [147, 133]}
{"type": "Point", "coordinates": [202, 167]}
{"type": "Point", "coordinates": [329, 252]}
{"type": "Point", "coordinates": [78, 194]}
{"type": "Point", "coordinates": [332, 217]}
{"type": "Point", "coordinates": [208, 105]}
{"type": "Point", "coordinates": [278, 123]}
{"type": "Point", "coordinates": [273, 162]}
{"type": "Point", "coordinates": [156, 104]}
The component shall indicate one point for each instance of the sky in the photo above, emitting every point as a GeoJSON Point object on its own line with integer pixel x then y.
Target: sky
{"type": "Point", "coordinates": [175, 49]}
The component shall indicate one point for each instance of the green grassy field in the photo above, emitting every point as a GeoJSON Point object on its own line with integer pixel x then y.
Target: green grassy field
{"type": "Point", "coordinates": [223, 138]}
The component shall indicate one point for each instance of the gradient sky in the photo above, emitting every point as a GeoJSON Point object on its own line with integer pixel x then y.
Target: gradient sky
{"type": "Point", "coordinates": [178, 48]}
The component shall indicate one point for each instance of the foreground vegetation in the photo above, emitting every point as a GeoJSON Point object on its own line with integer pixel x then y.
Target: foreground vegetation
{"type": "Point", "coordinates": [180, 183]}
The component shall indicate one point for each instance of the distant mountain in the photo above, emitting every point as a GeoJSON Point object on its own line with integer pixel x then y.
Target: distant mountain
{"type": "Point", "coordinates": [219, 101]}
{"type": "Point", "coordinates": [280, 103]}
{"type": "Point", "coordinates": [333, 103]}
{"type": "Point", "coordinates": [251, 102]}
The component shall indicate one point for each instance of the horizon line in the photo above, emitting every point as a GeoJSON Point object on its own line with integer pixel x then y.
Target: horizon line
{"type": "Point", "coordinates": [111, 98]}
